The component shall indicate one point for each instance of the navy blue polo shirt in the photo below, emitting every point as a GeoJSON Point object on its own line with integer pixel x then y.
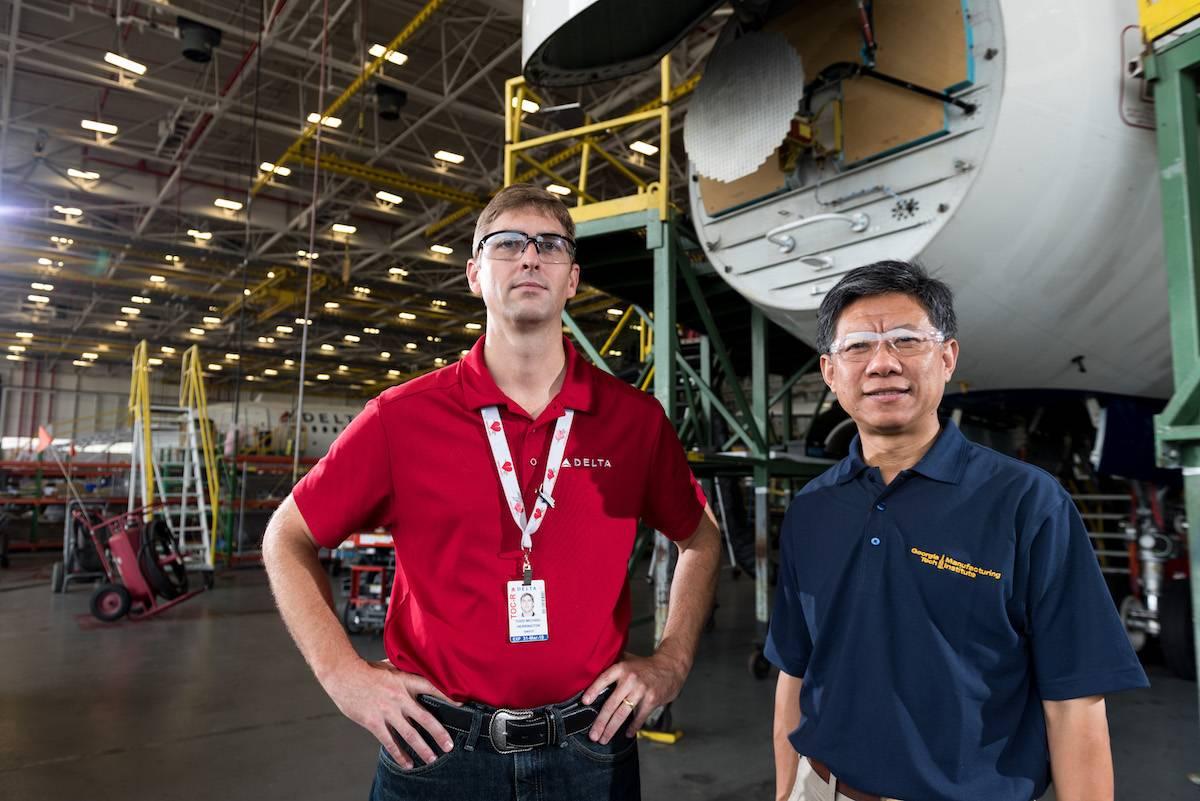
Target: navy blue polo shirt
{"type": "Point", "coordinates": [930, 617]}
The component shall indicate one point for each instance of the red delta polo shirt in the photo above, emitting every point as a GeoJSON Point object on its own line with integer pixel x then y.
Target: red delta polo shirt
{"type": "Point", "coordinates": [416, 460]}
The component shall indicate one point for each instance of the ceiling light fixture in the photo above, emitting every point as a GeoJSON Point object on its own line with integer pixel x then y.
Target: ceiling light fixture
{"type": "Point", "coordinates": [69, 211]}
{"type": "Point", "coordinates": [157, 279]}
{"type": "Point", "coordinates": [473, 326]}
{"type": "Point", "coordinates": [352, 338]}
{"type": "Point", "coordinates": [229, 205]}
{"type": "Point", "coordinates": [121, 323]}
{"type": "Point", "coordinates": [328, 122]}
{"type": "Point", "coordinates": [167, 349]}
{"type": "Point", "coordinates": [42, 287]}
{"type": "Point", "coordinates": [198, 234]}
{"type": "Point", "coordinates": [407, 316]}
{"type": "Point", "coordinates": [365, 331]}
{"type": "Point", "coordinates": [121, 62]}
{"type": "Point", "coordinates": [332, 304]}
{"type": "Point", "coordinates": [400, 271]}
{"type": "Point", "coordinates": [39, 298]}
{"type": "Point", "coordinates": [448, 156]}
{"type": "Point", "coordinates": [83, 175]}
{"type": "Point", "coordinates": [378, 50]}
{"type": "Point", "coordinates": [140, 299]}
{"type": "Point", "coordinates": [645, 148]}
{"type": "Point", "coordinates": [284, 329]}
{"type": "Point", "coordinates": [442, 249]}
{"type": "Point", "coordinates": [130, 310]}
{"type": "Point", "coordinates": [282, 172]}
{"type": "Point", "coordinates": [212, 320]}
{"type": "Point", "coordinates": [555, 189]}
{"type": "Point", "coordinates": [322, 376]}
{"type": "Point", "coordinates": [389, 197]}
{"type": "Point", "coordinates": [99, 127]}
{"type": "Point", "coordinates": [327, 347]}
{"type": "Point", "coordinates": [343, 228]}
{"type": "Point", "coordinates": [527, 106]}
{"type": "Point", "coordinates": [197, 331]}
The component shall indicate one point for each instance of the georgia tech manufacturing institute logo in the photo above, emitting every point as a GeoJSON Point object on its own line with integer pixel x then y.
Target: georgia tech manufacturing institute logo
{"type": "Point", "coordinates": [943, 562]}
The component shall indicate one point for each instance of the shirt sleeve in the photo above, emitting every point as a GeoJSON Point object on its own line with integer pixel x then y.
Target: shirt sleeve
{"type": "Point", "coordinates": [350, 488]}
{"type": "Point", "coordinates": [789, 643]}
{"type": "Point", "coordinates": [673, 501]}
{"type": "Point", "coordinates": [1078, 642]}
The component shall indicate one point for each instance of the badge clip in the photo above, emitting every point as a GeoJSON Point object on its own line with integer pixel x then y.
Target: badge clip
{"type": "Point", "coordinates": [527, 570]}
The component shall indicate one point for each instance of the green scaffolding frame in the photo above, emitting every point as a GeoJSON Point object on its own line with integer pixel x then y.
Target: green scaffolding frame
{"type": "Point", "coordinates": [1172, 71]}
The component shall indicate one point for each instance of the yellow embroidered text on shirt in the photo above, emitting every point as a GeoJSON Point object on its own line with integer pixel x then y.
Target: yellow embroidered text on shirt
{"type": "Point", "coordinates": [943, 562]}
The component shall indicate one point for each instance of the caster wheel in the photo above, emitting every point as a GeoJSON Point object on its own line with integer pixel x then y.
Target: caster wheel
{"type": "Point", "coordinates": [210, 579]}
{"type": "Point", "coordinates": [110, 602]}
{"type": "Point", "coordinates": [758, 664]}
{"type": "Point", "coordinates": [352, 620]}
{"type": "Point", "coordinates": [56, 578]}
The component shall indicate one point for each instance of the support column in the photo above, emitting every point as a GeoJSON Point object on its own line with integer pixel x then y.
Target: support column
{"type": "Point", "coordinates": [1172, 73]}
{"type": "Point", "coordinates": [660, 237]}
{"type": "Point", "coordinates": [759, 404]}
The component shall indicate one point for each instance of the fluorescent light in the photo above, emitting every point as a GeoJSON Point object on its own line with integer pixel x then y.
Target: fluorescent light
{"type": "Point", "coordinates": [27, 335]}
{"type": "Point", "coordinates": [39, 298]}
{"type": "Point", "coordinates": [232, 357]}
{"type": "Point", "coordinates": [352, 338]}
{"type": "Point", "coordinates": [17, 348]}
{"type": "Point", "coordinates": [270, 371]}
{"type": "Point", "coordinates": [393, 373]}
{"type": "Point", "coordinates": [270, 273]}
{"type": "Point", "coordinates": [439, 361]}
{"type": "Point", "coordinates": [558, 190]}
{"type": "Point", "coordinates": [171, 258]}
{"type": "Point", "coordinates": [342, 368]}
{"type": "Point", "coordinates": [322, 376]}
{"type": "Point", "coordinates": [614, 353]}
{"type": "Point", "coordinates": [615, 312]}
{"type": "Point", "coordinates": [365, 331]}
{"type": "Point", "coordinates": [443, 249]}
{"type": "Point", "coordinates": [83, 175]}
{"type": "Point", "coordinates": [302, 321]}
{"type": "Point", "coordinates": [246, 292]}
{"type": "Point", "coordinates": [327, 347]}
{"type": "Point", "coordinates": [363, 290]}
{"type": "Point", "coordinates": [90, 356]}
{"type": "Point", "coordinates": [62, 240]}
{"type": "Point", "coordinates": [411, 346]}
{"type": "Point", "coordinates": [77, 363]}
{"type": "Point", "coordinates": [157, 279]}
{"type": "Point", "coordinates": [407, 316]}
{"type": "Point", "coordinates": [645, 148]}
{"type": "Point", "coordinates": [343, 228]}
{"type": "Point", "coordinates": [197, 331]}
{"type": "Point", "coordinates": [231, 205]}
{"type": "Point", "coordinates": [120, 323]}
{"type": "Point", "coordinates": [213, 320]}
{"type": "Point", "coordinates": [527, 105]}
{"type": "Point", "coordinates": [308, 254]}
{"type": "Point", "coordinates": [332, 304]}
{"type": "Point", "coordinates": [284, 329]}
{"type": "Point", "coordinates": [328, 122]}
{"type": "Point", "coordinates": [446, 155]}
{"type": "Point", "coordinates": [154, 361]}
{"type": "Point", "coordinates": [288, 362]}
{"type": "Point", "coordinates": [377, 50]}
{"type": "Point", "coordinates": [215, 367]}
{"type": "Point", "coordinates": [99, 127]}
{"type": "Point", "coordinates": [42, 287]}
{"type": "Point", "coordinates": [167, 349]}
{"type": "Point", "coordinates": [389, 197]}
{"type": "Point", "coordinates": [130, 310]}
{"type": "Point", "coordinates": [198, 234]}
{"type": "Point", "coordinates": [140, 299]}
{"type": "Point", "coordinates": [125, 63]}
{"type": "Point", "coordinates": [473, 326]}
{"type": "Point", "coordinates": [282, 172]}
{"type": "Point", "coordinates": [385, 354]}
{"type": "Point", "coordinates": [69, 211]}
{"type": "Point", "coordinates": [397, 271]}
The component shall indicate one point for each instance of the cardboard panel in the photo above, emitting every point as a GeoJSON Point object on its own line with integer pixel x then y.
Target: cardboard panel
{"type": "Point", "coordinates": [722, 196]}
{"type": "Point", "coordinates": [923, 41]}
{"type": "Point", "coordinates": [878, 117]}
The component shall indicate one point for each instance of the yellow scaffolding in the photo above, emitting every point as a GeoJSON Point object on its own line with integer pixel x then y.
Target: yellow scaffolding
{"type": "Point", "coordinates": [139, 416]}
{"type": "Point", "coordinates": [193, 396]}
{"type": "Point", "coordinates": [1157, 17]}
{"type": "Point", "coordinates": [648, 197]}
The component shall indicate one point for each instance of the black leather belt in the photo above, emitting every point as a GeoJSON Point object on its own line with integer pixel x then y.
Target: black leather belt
{"type": "Point", "coordinates": [507, 731]}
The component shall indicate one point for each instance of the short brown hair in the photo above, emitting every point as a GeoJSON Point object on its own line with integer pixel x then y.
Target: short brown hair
{"type": "Point", "coordinates": [523, 196]}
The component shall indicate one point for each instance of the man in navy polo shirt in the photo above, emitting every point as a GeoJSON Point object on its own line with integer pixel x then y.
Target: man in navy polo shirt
{"type": "Point", "coordinates": [941, 625]}
{"type": "Point", "coordinates": [512, 483]}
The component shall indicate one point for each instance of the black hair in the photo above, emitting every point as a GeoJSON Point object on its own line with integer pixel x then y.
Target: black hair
{"type": "Point", "coordinates": [882, 278]}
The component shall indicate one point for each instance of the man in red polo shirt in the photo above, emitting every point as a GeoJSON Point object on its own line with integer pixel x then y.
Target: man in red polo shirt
{"type": "Point", "coordinates": [521, 470]}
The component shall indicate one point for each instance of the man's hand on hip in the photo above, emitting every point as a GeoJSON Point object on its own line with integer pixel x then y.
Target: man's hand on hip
{"type": "Point", "coordinates": [383, 700]}
{"type": "Point", "coordinates": [641, 684]}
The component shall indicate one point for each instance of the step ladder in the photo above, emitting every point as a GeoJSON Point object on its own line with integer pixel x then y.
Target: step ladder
{"type": "Point", "coordinates": [173, 460]}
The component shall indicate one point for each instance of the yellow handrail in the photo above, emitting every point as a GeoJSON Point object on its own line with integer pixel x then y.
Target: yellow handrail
{"type": "Point", "coordinates": [647, 196]}
{"type": "Point", "coordinates": [139, 413]}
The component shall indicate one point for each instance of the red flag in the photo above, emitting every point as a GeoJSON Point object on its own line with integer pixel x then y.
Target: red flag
{"type": "Point", "coordinates": [44, 439]}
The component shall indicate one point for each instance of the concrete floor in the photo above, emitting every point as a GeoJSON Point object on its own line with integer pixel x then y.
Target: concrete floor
{"type": "Point", "coordinates": [211, 701]}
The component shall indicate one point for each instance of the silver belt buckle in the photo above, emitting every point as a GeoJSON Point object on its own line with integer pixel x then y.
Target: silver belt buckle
{"type": "Point", "coordinates": [498, 734]}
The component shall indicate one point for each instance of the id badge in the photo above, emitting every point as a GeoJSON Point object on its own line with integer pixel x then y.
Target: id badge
{"type": "Point", "coordinates": [527, 620]}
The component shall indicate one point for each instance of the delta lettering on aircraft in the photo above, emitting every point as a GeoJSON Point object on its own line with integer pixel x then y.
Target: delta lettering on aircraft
{"type": "Point", "coordinates": [326, 418]}
{"type": "Point", "coordinates": [598, 461]}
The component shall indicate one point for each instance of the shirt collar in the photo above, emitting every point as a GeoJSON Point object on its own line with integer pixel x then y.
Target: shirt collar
{"type": "Point", "coordinates": [480, 390]}
{"type": "Point", "coordinates": [943, 462]}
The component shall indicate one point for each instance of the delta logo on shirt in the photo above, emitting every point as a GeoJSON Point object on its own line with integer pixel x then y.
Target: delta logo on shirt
{"type": "Point", "coordinates": [595, 461]}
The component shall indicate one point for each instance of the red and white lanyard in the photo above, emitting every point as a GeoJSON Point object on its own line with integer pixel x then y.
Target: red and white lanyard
{"type": "Point", "coordinates": [508, 474]}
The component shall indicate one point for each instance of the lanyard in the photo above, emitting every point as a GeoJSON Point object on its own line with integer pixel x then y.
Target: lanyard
{"type": "Point", "coordinates": [508, 474]}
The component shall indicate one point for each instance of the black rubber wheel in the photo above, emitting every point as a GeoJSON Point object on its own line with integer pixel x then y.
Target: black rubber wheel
{"type": "Point", "coordinates": [758, 664]}
{"type": "Point", "coordinates": [83, 550]}
{"type": "Point", "coordinates": [56, 578]}
{"type": "Point", "coordinates": [351, 619]}
{"type": "Point", "coordinates": [1177, 637]}
{"type": "Point", "coordinates": [110, 602]}
{"type": "Point", "coordinates": [210, 579]}
{"type": "Point", "coordinates": [160, 561]}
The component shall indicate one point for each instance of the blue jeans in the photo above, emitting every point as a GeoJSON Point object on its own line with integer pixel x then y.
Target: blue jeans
{"type": "Point", "coordinates": [576, 769]}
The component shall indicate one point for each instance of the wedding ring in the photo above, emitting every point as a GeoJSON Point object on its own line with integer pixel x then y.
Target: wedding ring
{"type": "Point", "coordinates": [630, 704]}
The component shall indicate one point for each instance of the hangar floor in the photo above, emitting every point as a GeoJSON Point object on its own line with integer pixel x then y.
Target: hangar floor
{"type": "Point", "coordinates": [211, 701]}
